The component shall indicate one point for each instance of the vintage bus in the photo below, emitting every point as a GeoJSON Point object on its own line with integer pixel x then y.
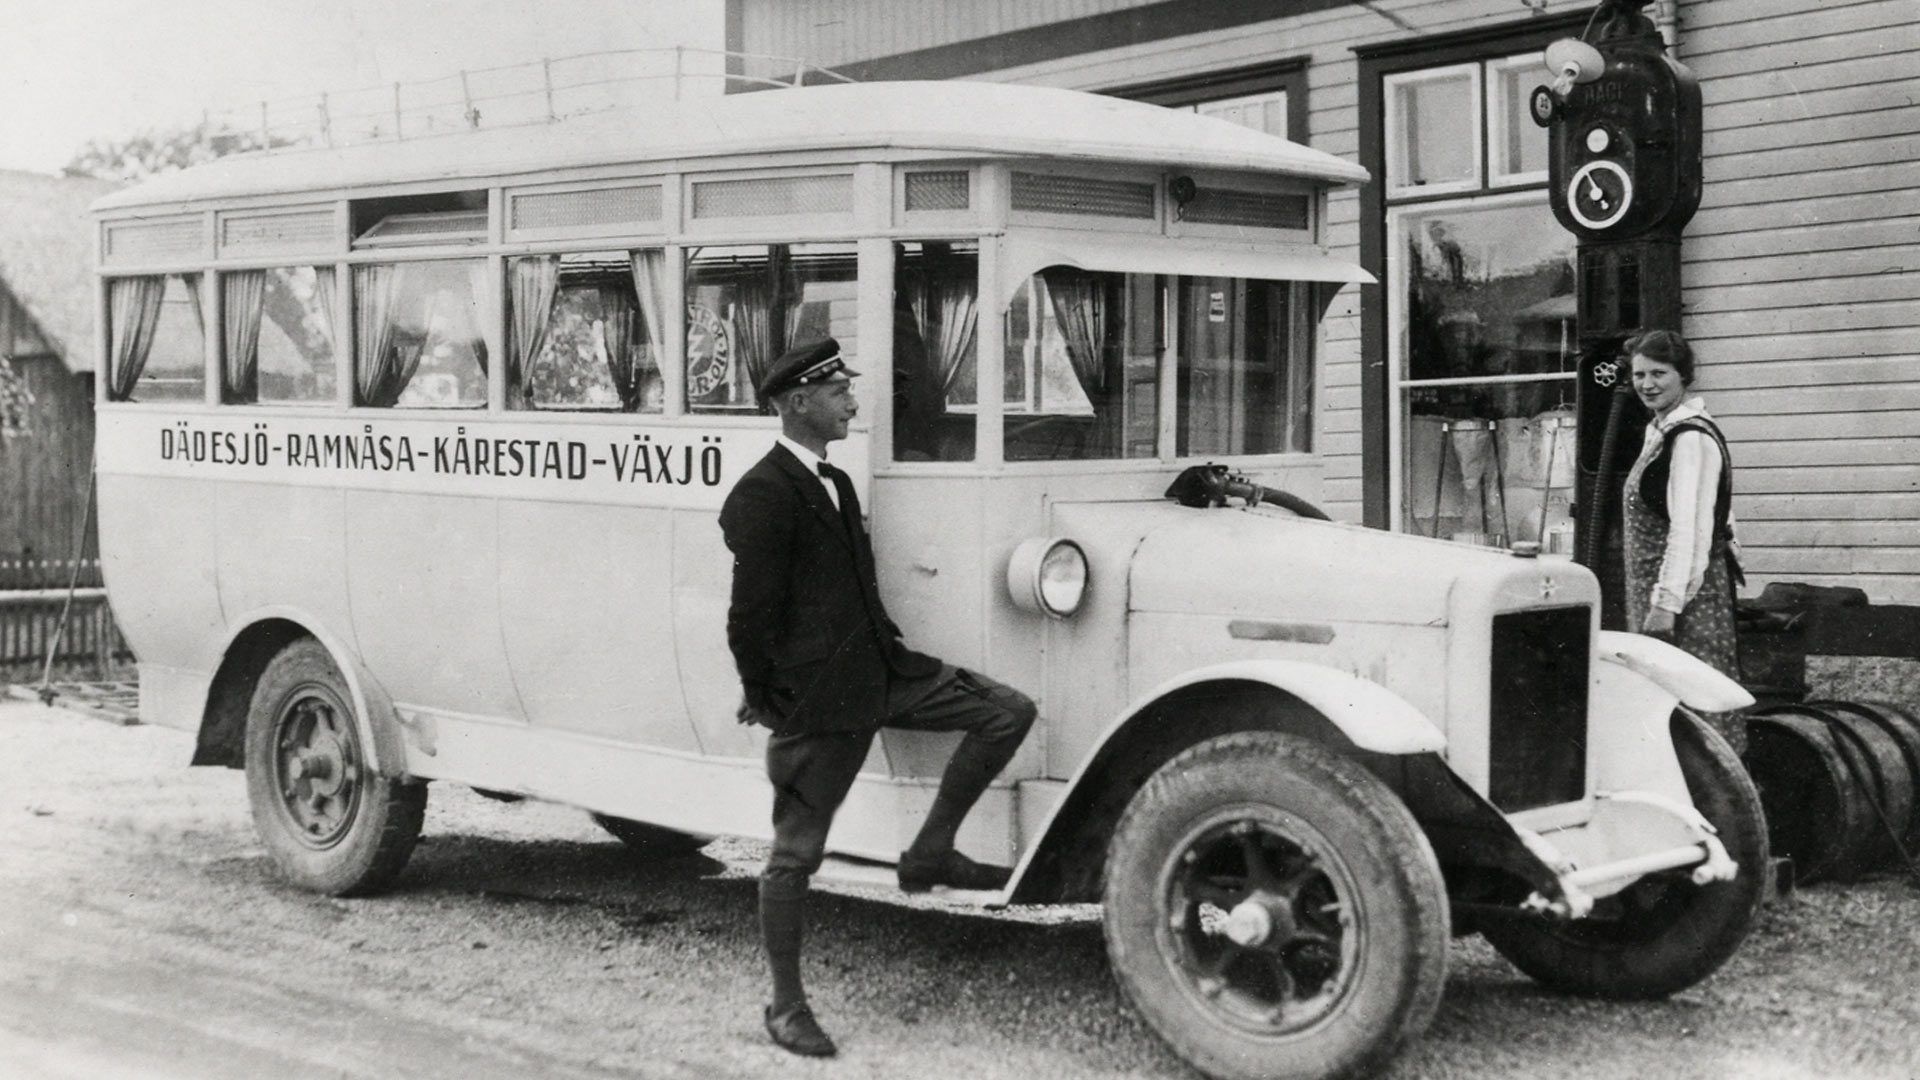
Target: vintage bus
{"type": "Point", "coordinates": [411, 453]}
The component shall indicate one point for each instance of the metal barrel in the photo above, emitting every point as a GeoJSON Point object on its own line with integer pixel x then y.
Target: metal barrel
{"type": "Point", "coordinates": [1817, 814]}
{"type": "Point", "coordinates": [1903, 728]}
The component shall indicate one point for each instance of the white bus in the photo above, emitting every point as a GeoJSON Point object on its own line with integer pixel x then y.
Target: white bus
{"type": "Point", "coordinates": [410, 456]}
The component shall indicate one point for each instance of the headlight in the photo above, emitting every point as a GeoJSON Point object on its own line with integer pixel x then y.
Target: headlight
{"type": "Point", "coordinates": [1048, 577]}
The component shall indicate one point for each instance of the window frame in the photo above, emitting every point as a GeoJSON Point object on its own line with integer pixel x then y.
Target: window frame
{"type": "Point", "coordinates": [1390, 98]}
{"type": "Point", "coordinates": [341, 348]}
{"type": "Point", "coordinates": [1288, 75]}
{"type": "Point", "coordinates": [1500, 120]}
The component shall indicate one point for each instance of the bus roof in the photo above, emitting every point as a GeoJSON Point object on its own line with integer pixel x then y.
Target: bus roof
{"type": "Point", "coordinates": [945, 117]}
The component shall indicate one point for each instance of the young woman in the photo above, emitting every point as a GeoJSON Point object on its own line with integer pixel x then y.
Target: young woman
{"type": "Point", "coordinates": [1682, 558]}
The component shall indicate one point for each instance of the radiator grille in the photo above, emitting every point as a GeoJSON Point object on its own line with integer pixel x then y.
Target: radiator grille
{"type": "Point", "coordinates": [151, 241]}
{"type": "Point", "coordinates": [1537, 730]}
{"type": "Point", "coordinates": [938, 191]}
{"type": "Point", "coordinates": [1252, 209]}
{"type": "Point", "coordinates": [598, 206]}
{"type": "Point", "coordinates": [302, 230]}
{"type": "Point", "coordinates": [773, 196]}
{"type": "Point", "coordinates": [1045, 193]}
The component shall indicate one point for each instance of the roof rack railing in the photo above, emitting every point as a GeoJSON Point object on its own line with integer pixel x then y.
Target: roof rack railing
{"type": "Point", "coordinates": [509, 95]}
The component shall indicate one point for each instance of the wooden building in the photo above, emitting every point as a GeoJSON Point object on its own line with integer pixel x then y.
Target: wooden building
{"type": "Point", "coordinates": [47, 332]}
{"type": "Point", "coordinates": [1801, 270]}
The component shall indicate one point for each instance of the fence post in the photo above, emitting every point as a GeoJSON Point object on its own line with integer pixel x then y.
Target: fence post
{"type": "Point", "coordinates": [326, 120]}
{"type": "Point", "coordinates": [546, 73]}
{"type": "Point", "coordinates": [466, 96]}
{"type": "Point", "coordinates": [679, 68]}
{"type": "Point", "coordinates": [398, 123]}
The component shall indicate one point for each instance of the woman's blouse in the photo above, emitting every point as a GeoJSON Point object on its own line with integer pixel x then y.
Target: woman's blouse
{"type": "Point", "coordinates": [1693, 482]}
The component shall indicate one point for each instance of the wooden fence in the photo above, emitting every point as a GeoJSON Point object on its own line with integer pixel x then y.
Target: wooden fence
{"type": "Point", "coordinates": [90, 647]}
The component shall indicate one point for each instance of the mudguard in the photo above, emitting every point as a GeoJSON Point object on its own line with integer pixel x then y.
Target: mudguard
{"type": "Point", "coordinates": [1695, 683]}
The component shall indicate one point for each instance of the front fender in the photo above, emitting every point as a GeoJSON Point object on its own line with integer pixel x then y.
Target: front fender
{"type": "Point", "coordinates": [1370, 716]}
{"type": "Point", "coordinates": [1694, 682]}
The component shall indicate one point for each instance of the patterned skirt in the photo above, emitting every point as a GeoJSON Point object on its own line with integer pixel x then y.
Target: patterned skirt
{"type": "Point", "coordinates": [1705, 628]}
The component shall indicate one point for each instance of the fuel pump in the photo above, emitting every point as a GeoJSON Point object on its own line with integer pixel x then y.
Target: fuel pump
{"type": "Point", "coordinates": [1624, 176]}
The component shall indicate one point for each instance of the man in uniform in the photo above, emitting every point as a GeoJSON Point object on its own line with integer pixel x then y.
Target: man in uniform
{"type": "Point", "coordinates": [823, 668]}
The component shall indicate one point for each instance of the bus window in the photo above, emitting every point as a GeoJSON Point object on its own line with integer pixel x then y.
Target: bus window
{"type": "Point", "coordinates": [277, 342]}
{"type": "Point", "coordinates": [1082, 366]}
{"type": "Point", "coordinates": [158, 335]}
{"type": "Point", "coordinates": [1246, 377]}
{"type": "Point", "coordinates": [936, 287]}
{"type": "Point", "coordinates": [585, 331]}
{"type": "Point", "coordinates": [417, 342]}
{"type": "Point", "coordinates": [747, 305]}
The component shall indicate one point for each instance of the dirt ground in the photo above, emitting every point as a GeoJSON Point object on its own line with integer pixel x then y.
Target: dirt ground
{"type": "Point", "coordinates": [143, 934]}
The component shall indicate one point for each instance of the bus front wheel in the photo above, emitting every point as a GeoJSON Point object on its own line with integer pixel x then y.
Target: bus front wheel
{"type": "Point", "coordinates": [328, 820]}
{"type": "Point", "coordinates": [1273, 910]}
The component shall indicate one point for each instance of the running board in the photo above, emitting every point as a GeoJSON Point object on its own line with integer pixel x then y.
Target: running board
{"type": "Point", "coordinates": [867, 876]}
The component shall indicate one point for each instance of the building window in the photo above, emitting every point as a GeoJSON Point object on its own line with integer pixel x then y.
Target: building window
{"type": "Point", "coordinates": [1480, 334]}
{"type": "Point", "coordinates": [1269, 97]}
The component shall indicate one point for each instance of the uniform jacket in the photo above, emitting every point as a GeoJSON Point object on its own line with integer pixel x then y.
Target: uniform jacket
{"type": "Point", "coordinates": [805, 621]}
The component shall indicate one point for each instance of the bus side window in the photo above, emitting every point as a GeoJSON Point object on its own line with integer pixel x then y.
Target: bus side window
{"type": "Point", "coordinates": [936, 317]}
{"type": "Point", "coordinates": [748, 304]}
{"type": "Point", "coordinates": [157, 333]}
{"type": "Point", "coordinates": [585, 331]}
{"type": "Point", "coordinates": [417, 340]}
{"type": "Point", "coordinates": [277, 345]}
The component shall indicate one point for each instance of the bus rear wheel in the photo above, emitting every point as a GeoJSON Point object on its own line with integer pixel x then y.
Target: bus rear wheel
{"type": "Point", "coordinates": [1273, 910]}
{"type": "Point", "coordinates": [327, 819]}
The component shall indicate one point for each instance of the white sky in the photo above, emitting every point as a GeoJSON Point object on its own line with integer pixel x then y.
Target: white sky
{"type": "Point", "coordinates": [75, 70]}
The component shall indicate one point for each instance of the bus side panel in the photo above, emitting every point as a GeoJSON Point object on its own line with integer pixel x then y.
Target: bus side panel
{"type": "Point", "coordinates": [157, 545]}
{"type": "Point", "coordinates": [702, 587]}
{"type": "Point", "coordinates": [284, 547]}
{"type": "Point", "coordinates": [589, 625]}
{"type": "Point", "coordinates": [423, 580]}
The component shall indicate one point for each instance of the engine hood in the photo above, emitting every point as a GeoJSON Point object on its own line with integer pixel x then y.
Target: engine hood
{"type": "Point", "coordinates": [1266, 563]}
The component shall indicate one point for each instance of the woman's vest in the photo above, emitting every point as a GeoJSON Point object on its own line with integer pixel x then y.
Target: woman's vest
{"type": "Point", "coordinates": [1653, 487]}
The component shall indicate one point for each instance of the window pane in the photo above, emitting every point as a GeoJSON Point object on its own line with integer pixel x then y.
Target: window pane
{"type": "Point", "coordinates": [747, 305]}
{"type": "Point", "coordinates": [1519, 144]}
{"type": "Point", "coordinates": [1086, 352]}
{"type": "Point", "coordinates": [1261, 112]}
{"type": "Point", "coordinates": [1242, 389]}
{"type": "Point", "coordinates": [1489, 293]}
{"type": "Point", "coordinates": [1434, 121]}
{"type": "Point", "coordinates": [417, 335]}
{"type": "Point", "coordinates": [584, 331]}
{"type": "Point", "coordinates": [176, 359]}
{"type": "Point", "coordinates": [935, 350]}
{"type": "Point", "coordinates": [296, 353]}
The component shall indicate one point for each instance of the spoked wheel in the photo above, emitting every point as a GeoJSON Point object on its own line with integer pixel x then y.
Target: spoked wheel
{"type": "Point", "coordinates": [1273, 910]}
{"type": "Point", "coordinates": [1663, 933]}
{"type": "Point", "coordinates": [328, 821]}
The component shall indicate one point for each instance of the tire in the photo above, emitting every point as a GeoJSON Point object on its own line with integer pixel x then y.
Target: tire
{"type": "Point", "coordinates": [1663, 933]}
{"type": "Point", "coordinates": [1273, 910]}
{"type": "Point", "coordinates": [329, 822]}
{"type": "Point", "coordinates": [651, 841]}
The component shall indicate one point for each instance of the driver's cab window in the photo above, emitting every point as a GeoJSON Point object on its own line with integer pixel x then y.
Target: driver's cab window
{"type": "Point", "coordinates": [1082, 366]}
{"type": "Point", "coordinates": [936, 323]}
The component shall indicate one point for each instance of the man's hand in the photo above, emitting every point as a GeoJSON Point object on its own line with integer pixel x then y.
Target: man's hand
{"type": "Point", "coordinates": [1659, 624]}
{"type": "Point", "coordinates": [756, 707]}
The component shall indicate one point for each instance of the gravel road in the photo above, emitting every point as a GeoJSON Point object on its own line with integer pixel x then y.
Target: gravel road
{"type": "Point", "coordinates": [143, 934]}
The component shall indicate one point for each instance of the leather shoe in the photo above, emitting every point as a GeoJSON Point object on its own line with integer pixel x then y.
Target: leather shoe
{"type": "Point", "coordinates": [797, 1031]}
{"type": "Point", "coordinates": [918, 873]}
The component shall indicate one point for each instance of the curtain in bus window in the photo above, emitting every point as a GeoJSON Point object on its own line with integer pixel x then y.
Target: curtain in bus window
{"type": "Point", "coordinates": [1080, 306]}
{"type": "Point", "coordinates": [619, 338]}
{"type": "Point", "coordinates": [534, 283]}
{"type": "Point", "coordinates": [750, 319]}
{"type": "Point", "coordinates": [386, 364]}
{"type": "Point", "coordinates": [477, 289]}
{"type": "Point", "coordinates": [244, 302]}
{"type": "Point", "coordinates": [948, 313]}
{"type": "Point", "coordinates": [650, 286]}
{"type": "Point", "coordinates": [134, 308]}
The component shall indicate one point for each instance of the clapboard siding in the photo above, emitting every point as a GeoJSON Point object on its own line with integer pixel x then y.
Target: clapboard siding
{"type": "Point", "coordinates": [1801, 271]}
{"type": "Point", "coordinates": [1802, 281]}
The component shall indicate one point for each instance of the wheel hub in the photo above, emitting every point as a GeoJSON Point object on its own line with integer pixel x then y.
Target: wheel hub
{"type": "Point", "coordinates": [319, 767]}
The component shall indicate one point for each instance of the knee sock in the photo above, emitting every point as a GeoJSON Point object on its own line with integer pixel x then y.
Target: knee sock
{"type": "Point", "coordinates": [975, 763]}
{"type": "Point", "coordinates": [781, 925]}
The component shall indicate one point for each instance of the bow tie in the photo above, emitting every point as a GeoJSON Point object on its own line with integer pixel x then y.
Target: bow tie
{"type": "Point", "coordinates": [825, 470]}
